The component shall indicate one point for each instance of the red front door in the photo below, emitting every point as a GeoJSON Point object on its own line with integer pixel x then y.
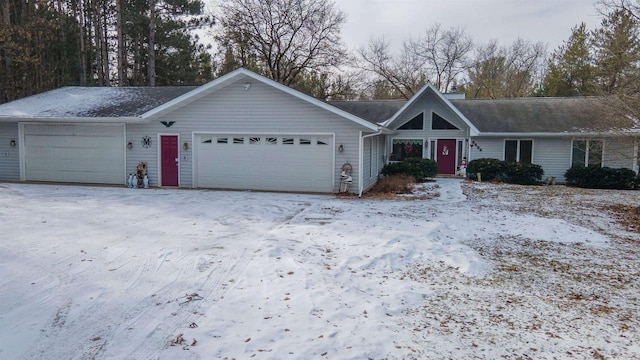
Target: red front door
{"type": "Point", "coordinates": [169, 160]}
{"type": "Point", "coordinates": [446, 156]}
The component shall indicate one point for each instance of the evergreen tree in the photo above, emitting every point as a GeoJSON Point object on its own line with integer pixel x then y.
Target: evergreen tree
{"type": "Point", "coordinates": [571, 69]}
{"type": "Point", "coordinates": [617, 50]}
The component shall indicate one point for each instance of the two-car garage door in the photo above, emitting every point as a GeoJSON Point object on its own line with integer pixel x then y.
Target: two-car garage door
{"type": "Point", "coordinates": [264, 162]}
{"type": "Point", "coordinates": [74, 153]}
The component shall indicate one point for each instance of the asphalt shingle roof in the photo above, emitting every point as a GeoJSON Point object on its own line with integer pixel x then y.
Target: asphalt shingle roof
{"type": "Point", "coordinates": [92, 102]}
{"type": "Point", "coordinates": [374, 111]}
{"type": "Point", "coordinates": [539, 115]}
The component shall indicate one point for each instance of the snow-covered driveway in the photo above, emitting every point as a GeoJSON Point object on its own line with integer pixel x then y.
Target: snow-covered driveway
{"type": "Point", "coordinates": [89, 272]}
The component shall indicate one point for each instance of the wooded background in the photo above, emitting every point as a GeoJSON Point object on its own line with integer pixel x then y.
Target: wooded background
{"type": "Point", "coordinates": [46, 44]}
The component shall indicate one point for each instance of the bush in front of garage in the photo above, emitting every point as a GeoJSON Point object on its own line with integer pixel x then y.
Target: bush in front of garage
{"type": "Point", "coordinates": [498, 170]}
{"type": "Point", "coordinates": [419, 168]}
{"type": "Point", "coordinates": [596, 177]}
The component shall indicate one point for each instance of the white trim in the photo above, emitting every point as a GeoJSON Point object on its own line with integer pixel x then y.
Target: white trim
{"type": "Point", "coordinates": [586, 152]}
{"type": "Point", "coordinates": [504, 149]}
{"type": "Point", "coordinates": [562, 134]}
{"type": "Point", "coordinates": [71, 120]}
{"type": "Point", "coordinates": [473, 130]}
{"type": "Point", "coordinates": [411, 118]}
{"type": "Point", "coordinates": [360, 161]}
{"type": "Point", "coordinates": [160, 157]}
{"type": "Point", "coordinates": [22, 147]}
{"type": "Point", "coordinates": [194, 148]}
{"type": "Point", "coordinates": [233, 76]}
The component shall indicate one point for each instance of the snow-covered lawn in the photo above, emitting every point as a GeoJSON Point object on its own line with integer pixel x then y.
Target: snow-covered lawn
{"type": "Point", "coordinates": [471, 270]}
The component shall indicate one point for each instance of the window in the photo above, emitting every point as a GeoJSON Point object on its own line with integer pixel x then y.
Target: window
{"type": "Point", "coordinates": [254, 140]}
{"type": "Point", "coordinates": [417, 123]}
{"type": "Point", "coordinates": [287, 141]}
{"type": "Point", "coordinates": [208, 141]}
{"type": "Point", "coordinates": [238, 140]}
{"type": "Point", "coordinates": [586, 152]}
{"type": "Point", "coordinates": [518, 151]}
{"type": "Point", "coordinates": [305, 142]}
{"type": "Point", "coordinates": [321, 142]}
{"type": "Point", "coordinates": [271, 140]}
{"type": "Point", "coordinates": [222, 140]}
{"type": "Point", "coordinates": [406, 148]}
{"type": "Point", "coordinates": [439, 123]}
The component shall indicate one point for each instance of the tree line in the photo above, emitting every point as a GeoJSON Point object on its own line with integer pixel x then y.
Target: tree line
{"type": "Point", "coordinates": [46, 44]}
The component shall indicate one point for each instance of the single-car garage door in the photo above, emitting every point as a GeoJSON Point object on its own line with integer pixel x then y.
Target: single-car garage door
{"type": "Point", "coordinates": [265, 162]}
{"type": "Point", "coordinates": [74, 153]}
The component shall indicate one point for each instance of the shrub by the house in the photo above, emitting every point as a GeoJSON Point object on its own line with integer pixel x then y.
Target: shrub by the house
{"type": "Point", "coordinates": [498, 170]}
{"type": "Point", "coordinates": [523, 174]}
{"type": "Point", "coordinates": [419, 168]}
{"type": "Point", "coordinates": [596, 177]}
{"type": "Point", "coordinates": [489, 169]}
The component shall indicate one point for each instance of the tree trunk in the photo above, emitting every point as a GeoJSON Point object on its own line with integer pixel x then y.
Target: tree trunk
{"type": "Point", "coordinates": [83, 51]}
{"type": "Point", "coordinates": [97, 29]}
{"type": "Point", "coordinates": [7, 92]}
{"type": "Point", "coordinates": [151, 66]}
{"type": "Point", "coordinates": [120, 31]}
{"type": "Point", "coordinates": [105, 46]}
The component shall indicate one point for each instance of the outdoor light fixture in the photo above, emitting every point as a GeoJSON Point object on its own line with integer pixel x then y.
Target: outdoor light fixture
{"type": "Point", "coordinates": [247, 86]}
{"type": "Point", "coordinates": [12, 143]}
{"type": "Point", "coordinates": [340, 148]}
{"type": "Point", "coordinates": [185, 146]}
{"type": "Point", "coordinates": [130, 145]}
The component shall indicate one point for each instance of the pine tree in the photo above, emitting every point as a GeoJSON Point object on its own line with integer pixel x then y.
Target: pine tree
{"type": "Point", "coordinates": [571, 70]}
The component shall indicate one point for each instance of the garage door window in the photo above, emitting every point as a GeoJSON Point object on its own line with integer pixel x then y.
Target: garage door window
{"type": "Point", "coordinates": [287, 141]}
{"type": "Point", "coordinates": [305, 142]}
{"type": "Point", "coordinates": [272, 140]}
{"type": "Point", "coordinates": [222, 140]}
{"type": "Point", "coordinates": [254, 140]}
{"type": "Point", "coordinates": [238, 140]}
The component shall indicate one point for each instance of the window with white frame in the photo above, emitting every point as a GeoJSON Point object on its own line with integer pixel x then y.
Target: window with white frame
{"type": "Point", "coordinates": [518, 151]}
{"type": "Point", "coordinates": [586, 152]}
{"type": "Point", "coordinates": [406, 148]}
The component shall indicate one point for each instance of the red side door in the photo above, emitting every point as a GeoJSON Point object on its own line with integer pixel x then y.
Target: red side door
{"type": "Point", "coordinates": [169, 160]}
{"type": "Point", "coordinates": [446, 156]}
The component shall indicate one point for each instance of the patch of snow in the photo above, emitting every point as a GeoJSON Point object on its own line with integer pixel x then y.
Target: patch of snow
{"type": "Point", "coordinates": [91, 272]}
{"type": "Point", "coordinates": [64, 102]}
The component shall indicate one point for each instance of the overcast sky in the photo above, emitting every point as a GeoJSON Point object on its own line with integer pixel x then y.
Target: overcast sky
{"type": "Point", "coordinates": [549, 21]}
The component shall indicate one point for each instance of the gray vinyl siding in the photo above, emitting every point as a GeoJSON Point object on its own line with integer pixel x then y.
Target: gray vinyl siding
{"type": "Point", "coordinates": [619, 153]}
{"type": "Point", "coordinates": [373, 159]}
{"type": "Point", "coordinates": [554, 155]}
{"type": "Point", "coordinates": [429, 104]}
{"type": "Point", "coordinates": [9, 156]}
{"type": "Point", "coordinates": [231, 109]}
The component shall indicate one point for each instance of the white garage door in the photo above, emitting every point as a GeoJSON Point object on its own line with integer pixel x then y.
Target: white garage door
{"type": "Point", "coordinates": [74, 153]}
{"type": "Point", "coordinates": [265, 162]}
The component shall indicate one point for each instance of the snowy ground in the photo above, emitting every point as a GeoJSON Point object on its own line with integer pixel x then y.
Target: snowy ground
{"type": "Point", "coordinates": [468, 271]}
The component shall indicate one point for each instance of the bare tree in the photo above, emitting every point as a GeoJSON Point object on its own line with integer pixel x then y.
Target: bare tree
{"type": "Point", "coordinates": [445, 53]}
{"type": "Point", "coordinates": [403, 73]}
{"type": "Point", "coordinates": [631, 6]}
{"type": "Point", "coordinates": [502, 72]}
{"type": "Point", "coordinates": [288, 37]}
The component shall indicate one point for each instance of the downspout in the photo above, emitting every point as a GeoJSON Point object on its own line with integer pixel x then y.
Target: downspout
{"type": "Point", "coordinates": [360, 180]}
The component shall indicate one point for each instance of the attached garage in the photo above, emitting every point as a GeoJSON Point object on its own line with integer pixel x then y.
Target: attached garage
{"type": "Point", "coordinates": [265, 162]}
{"type": "Point", "coordinates": [78, 153]}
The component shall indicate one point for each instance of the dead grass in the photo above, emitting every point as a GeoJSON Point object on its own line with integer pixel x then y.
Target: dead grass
{"type": "Point", "coordinates": [626, 215]}
{"type": "Point", "coordinates": [394, 184]}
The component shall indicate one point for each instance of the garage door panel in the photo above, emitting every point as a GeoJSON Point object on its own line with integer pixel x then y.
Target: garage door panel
{"type": "Point", "coordinates": [259, 164]}
{"type": "Point", "coordinates": [74, 153]}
